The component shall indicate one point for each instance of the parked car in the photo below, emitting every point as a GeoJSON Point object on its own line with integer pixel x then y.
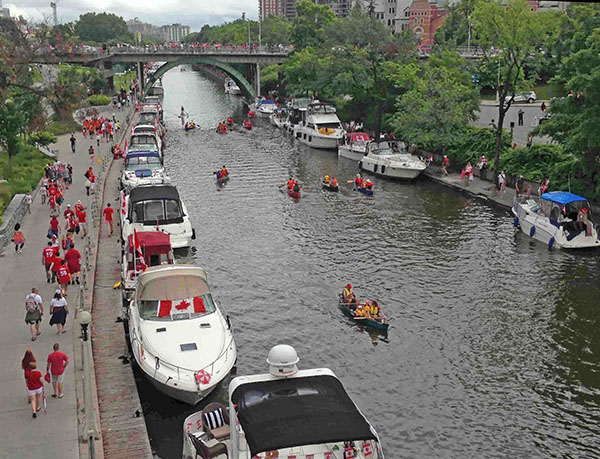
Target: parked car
{"type": "Point", "coordinates": [525, 96]}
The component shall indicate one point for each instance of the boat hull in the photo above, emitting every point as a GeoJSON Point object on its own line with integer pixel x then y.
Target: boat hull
{"type": "Point", "coordinates": [294, 194]}
{"type": "Point", "coordinates": [367, 322]}
{"type": "Point", "coordinates": [188, 128]}
{"type": "Point", "coordinates": [345, 151]}
{"type": "Point", "coordinates": [317, 141]}
{"type": "Point", "coordinates": [223, 180]}
{"type": "Point", "coordinates": [365, 191]}
{"type": "Point", "coordinates": [382, 170]}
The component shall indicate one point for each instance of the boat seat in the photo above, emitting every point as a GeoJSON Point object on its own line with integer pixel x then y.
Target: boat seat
{"type": "Point", "coordinates": [207, 452]}
{"type": "Point", "coordinates": [215, 421]}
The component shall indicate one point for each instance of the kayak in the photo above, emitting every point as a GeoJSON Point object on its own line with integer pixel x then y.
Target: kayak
{"type": "Point", "coordinates": [366, 321]}
{"type": "Point", "coordinates": [365, 191]}
{"type": "Point", "coordinates": [222, 180]}
{"type": "Point", "coordinates": [189, 128]}
{"type": "Point", "coordinates": [330, 187]}
{"type": "Point", "coordinates": [294, 194]}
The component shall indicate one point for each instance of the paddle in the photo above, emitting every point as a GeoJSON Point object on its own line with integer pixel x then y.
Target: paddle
{"type": "Point", "coordinates": [281, 186]}
{"type": "Point", "coordinates": [349, 181]}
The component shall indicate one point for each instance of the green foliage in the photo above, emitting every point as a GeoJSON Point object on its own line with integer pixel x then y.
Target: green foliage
{"type": "Point", "coordinates": [102, 28]}
{"type": "Point", "coordinates": [63, 127]}
{"type": "Point", "coordinates": [306, 72]}
{"type": "Point", "coordinates": [269, 77]}
{"type": "Point", "coordinates": [42, 138]}
{"type": "Point", "coordinates": [276, 30]}
{"type": "Point", "coordinates": [473, 142]}
{"type": "Point", "coordinates": [309, 25]}
{"type": "Point", "coordinates": [125, 79]}
{"type": "Point", "coordinates": [99, 99]}
{"type": "Point", "coordinates": [71, 86]}
{"type": "Point", "coordinates": [15, 114]}
{"type": "Point", "coordinates": [438, 103]}
{"type": "Point", "coordinates": [14, 49]}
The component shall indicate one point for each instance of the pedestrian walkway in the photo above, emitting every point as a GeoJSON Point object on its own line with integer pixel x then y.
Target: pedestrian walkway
{"type": "Point", "coordinates": [483, 189]}
{"type": "Point", "coordinates": [55, 434]}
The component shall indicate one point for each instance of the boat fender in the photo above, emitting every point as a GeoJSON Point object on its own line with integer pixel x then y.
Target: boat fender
{"type": "Point", "coordinates": [193, 233]}
{"type": "Point", "coordinates": [532, 231]}
{"type": "Point", "coordinates": [551, 242]}
{"type": "Point", "coordinates": [516, 222]}
{"type": "Point", "coordinates": [360, 165]}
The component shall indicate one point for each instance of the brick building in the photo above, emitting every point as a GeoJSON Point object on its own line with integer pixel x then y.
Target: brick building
{"type": "Point", "coordinates": [425, 17]}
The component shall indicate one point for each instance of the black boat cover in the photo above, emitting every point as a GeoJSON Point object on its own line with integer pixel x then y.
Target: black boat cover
{"type": "Point", "coordinates": [146, 193]}
{"type": "Point", "coordinates": [310, 410]}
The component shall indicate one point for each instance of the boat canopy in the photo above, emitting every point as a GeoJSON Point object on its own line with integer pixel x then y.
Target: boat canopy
{"type": "Point", "coordinates": [291, 412]}
{"type": "Point", "coordinates": [358, 136]}
{"type": "Point", "coordinates": [151, 242]}
{"type": "Point", "coordinates": [267, 102]}
{"type": "Point", "coordinates": [172, 282]}
{"type": "Point", "coordinates": [138, 153]}
{"type": "Point", "coordinates": [562, 197]}
{"type": "Point", "coordinates": [147, 193]}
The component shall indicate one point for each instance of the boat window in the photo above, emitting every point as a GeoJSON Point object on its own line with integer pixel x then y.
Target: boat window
{"type": "Point", "coordinates": [143, 140]}
{"type": "Point", "coordinates": [333, 125]}
{"type": "Point", "coordinates": [143, 162]}
{"type": "Point", "coordinates": [382, 151]}
{"type": "Point", "coordinates": [188, 308]}
{"type": "Point", "coordinates": [172, 209]}
{"type": "Point", "coordinates": [162, 211]}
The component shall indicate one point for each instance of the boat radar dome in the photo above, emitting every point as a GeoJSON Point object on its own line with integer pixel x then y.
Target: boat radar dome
{"type": "Point", "coordinates": [282, 361]}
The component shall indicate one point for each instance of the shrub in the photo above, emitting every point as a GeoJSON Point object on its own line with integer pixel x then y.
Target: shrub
{"type": "Point", "coordinates": [475, 141]}
{"type": "Point", "coordinates": [99, 99]}
{"type": "Point", "coordinates": [42, 138]}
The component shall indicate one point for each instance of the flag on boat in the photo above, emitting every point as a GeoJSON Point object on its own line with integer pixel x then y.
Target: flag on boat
{"type": "Point", "coordinates": [190, 305]}
{"type": "Point", "coordinates": [139, 256]}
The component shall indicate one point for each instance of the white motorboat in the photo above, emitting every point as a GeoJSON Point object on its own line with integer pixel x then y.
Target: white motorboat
{"type": "Point", "coordinates": [143, 250]}
{"type": "Point", "coordinates": [145, 140]}
{"type": "Point", "coordinates": [231, 87]}
{"type": "Point", "coordinates": [179, 336]}
{"type": "Point", "coordinates": [278, 117]}
{"type": "Point", "coordinates": [354, 145]}
{"type": "Point", "coordinates": [265, 108]}
{"type": "Point", "coordinates": [156, 207]}
{"type": "Point", "coordinates": [320, 128]}
{"type": "Point", "coordinates": [286, 414]}
{"type": "Point", "coordinates": [143, 167]}
{"type": "Point", "coordinates": [295, 114]}
{"type": "Point", "coordinates": [390, 159]}
{"type": "Point", "coordinates": [558, 219]}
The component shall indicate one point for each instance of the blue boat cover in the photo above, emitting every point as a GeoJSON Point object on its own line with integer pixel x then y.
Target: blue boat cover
{"type": "Point", "coordinates": [141, 173]}
{"type": "Point", "coordinates": [562, 197]}
{"type": "Point", "coordinates": [138, 154]}
{"type": "Point", "coordinates": [266, 101]}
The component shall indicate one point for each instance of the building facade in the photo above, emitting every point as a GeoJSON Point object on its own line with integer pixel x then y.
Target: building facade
{"type": "Point", "coordinates": [341, 8]}
{"type": "Point", "coordinates": [174, 32]}
{"type": "Point", "coordinates": [270, 8]}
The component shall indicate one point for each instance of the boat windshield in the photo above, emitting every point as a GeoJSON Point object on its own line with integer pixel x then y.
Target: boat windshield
{"type": "Point", "coordinates": [152, 101]}
{"type": "Point", "coordinates": [182, 309]}
{"type": "Point", "coordinates": [157, 211]}
{"type": "Point", "coordinates": [143, 162]}
{"type": "Point", "coordinates": [149, 118]}
{"type": "Point", "coordinates": [334, 125]}
{"type": "Point", "coordinates": [143, 140]}
{"type": "Point", "coordinates": [143, 130]}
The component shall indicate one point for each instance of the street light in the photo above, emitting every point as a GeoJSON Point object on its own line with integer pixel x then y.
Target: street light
{"type": "Point", "coordinates": [84, 321]}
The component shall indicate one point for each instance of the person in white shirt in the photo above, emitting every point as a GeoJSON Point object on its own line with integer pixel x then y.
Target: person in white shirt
{"type": "Point", "coordinates": [34, 312]}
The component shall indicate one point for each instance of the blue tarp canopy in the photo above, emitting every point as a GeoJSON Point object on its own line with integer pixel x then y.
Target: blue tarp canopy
{"type": "Point", "coordinates": [562, 197]}
{"type": "Point", "coordinates": [138, 153]}
{"type": "Point", "coordinates": [266, 101]}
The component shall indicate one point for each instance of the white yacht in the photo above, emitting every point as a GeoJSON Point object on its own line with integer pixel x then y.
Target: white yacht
{"type": "Point", "coordinates": [265, 108]}
{"type": "Point", "coordinates": [278, 117]}
{"type": "Point", "coordinates": [295, 114]}
{"type": "Point", "coordinates": [142, 250]}
{"type": "Point", "coordinates": [354, 145]}
{"type": "Point", "coordinates": [156, 207]}
{"type": "Point", "coordinates": [179, 337]}
{"type": "Point", "coordinates": [390, 159]}
{"type": "Point", "coordinates": [143, 167]}
{"type": "Point", "coordinates": [558, 219]}
{"type": "Point", "coordinates": [320, 127]}
{"type": "Point", "coordinates": [285, 414]}
{"type": "Point", "coordinates": [231, 87]}
{"type": "Point", "coordinates": [145, 140]}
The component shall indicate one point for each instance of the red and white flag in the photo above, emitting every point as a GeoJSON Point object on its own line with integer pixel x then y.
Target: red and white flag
{"type": "Point", "coordinates": [367, 449]}
{"type": "Point", "coordinates": [139, 256]}
{"type": "Point", "coordinates": [190, 305]}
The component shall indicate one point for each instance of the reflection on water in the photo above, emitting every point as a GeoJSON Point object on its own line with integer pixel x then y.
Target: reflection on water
{"type": "Point", "coordinates": [493, 348]}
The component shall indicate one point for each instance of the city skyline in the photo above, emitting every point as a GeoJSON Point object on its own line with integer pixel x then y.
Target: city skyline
{"type": "Point", "coordinates": [194, 13]}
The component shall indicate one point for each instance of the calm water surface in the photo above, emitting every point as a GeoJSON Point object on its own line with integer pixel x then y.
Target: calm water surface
{"type": "Point", "coordinates": [494, 344]}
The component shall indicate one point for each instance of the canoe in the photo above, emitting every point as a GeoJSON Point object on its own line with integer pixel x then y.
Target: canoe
{"type": "Point", "coordinates": [367, 322]}
{"type": "Point", "coordinates": [329, 187]}
{"type": "Point", "coordinates": [365, 191]}
{"type": "Point", "coordinates": [294, 194]}
{"type": "Point", "coordinates": [220, 181]}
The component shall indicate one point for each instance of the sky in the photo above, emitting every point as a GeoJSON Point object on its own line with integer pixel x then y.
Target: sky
{"type": "Point", "coordinates": [194, 13]}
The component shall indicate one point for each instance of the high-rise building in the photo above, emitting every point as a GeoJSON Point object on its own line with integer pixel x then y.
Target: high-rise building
{"type": "Point", "coordinates": [341, 8]}
{"type": "Point", "coordinates": [174, 32]}
{"type": "Point", "coordinates": [136, 26]}
{"type": "Point", "coordinates": [270, 8]}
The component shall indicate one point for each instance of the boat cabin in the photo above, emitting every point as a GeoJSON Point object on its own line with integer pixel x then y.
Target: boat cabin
{"type": "Point", "coordinates": [386, 147]}
{"type": "Point", "coordinates": [299, 106]}
{"type": "Point", "coordinates": [155, 205]}
{"type": "Point", "coordinates": [154, 249]}
{"type": "Point", "coordinates": [142, 160]}
{"type": "Point", "coordinates": [143, 128]}
{"type": "Point", "coordinates": [144, 141]}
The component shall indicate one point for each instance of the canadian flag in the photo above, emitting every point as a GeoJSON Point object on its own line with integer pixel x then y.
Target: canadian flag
{"type": "Point", "coordinates": [328, 455]}
{"type": "Point", "coordinates": [367, 449]}
{"type": "Point", "coordinates": [310, 456]}
{"type": "Point", "coordinates": [191, 305]}
{"type": "Point", "coordinates": [139, 256]}
{"type": "Point", "coordinates": [349, 453]}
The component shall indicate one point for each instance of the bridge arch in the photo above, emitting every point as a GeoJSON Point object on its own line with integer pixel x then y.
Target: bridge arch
{"type": "Point", "coordinates": [246, 87]}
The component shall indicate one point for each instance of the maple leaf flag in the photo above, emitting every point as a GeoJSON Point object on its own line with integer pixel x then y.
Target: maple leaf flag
{"type": "Point", "coordinates": [191, 305]}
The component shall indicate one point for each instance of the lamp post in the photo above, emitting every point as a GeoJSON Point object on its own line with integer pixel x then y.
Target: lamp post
{"type": "Point", "coordinates": [89, 432]}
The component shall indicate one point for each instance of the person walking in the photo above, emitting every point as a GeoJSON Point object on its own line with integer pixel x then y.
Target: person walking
{"type": "Point", "coordinates": [108, 218]}
{"type": "Point", "coordinates": [521, 112]}
{"type": "Point", "coordinates": [28, 199]}
{"type": "Point", "coordinates": [91, 153]}
{"type": "Point", "coordinates": [64, 277]}
{"type": "Point", "coordinates": [59, 310]}
{"type": "Point", "coordinates": [27, 359]}
{"type": "Point", "coordinates": [54, 227]}
{"type": "Point", "coordinates": [72, 140]}
{"type": "Point", "coordinates": [18, 238]}
{"type": "Point", "coordinates": [56, 364]}
{"type": "Point", "coordinates": [82, 219]}
{"type": "Point", "coordinates": [543, 106]}
{"type": "Point", "coordinates": [445, 164]}
{"type": "Point", "coordinates": [35, 387]}
{"type": "Point", "coordinates": [48, 255]}
{"type": "Point", "coordinates": [73, 259]}
{"type": "Point", "coordinates": [34, 311]}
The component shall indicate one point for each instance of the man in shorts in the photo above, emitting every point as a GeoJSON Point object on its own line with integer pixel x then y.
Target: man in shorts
{"type": "Point", "coordinates": [34, 312]}
{"type": "Point", "coordinates": [56, 364]}
{"type": "Point", "coordinates": [108, 218]}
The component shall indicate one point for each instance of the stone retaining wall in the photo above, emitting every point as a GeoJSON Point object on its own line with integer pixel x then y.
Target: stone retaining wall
{"type": "Point", "coordinates": [13, 214]}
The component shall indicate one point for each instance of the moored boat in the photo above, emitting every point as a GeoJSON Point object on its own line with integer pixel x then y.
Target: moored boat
{"type": "Point", "coordinates": [390, 159]}
{"type": "Point", "coordinates": [287, 413]}
{"type": "Point", "coordinates": [265, 108]}
{"type": "Point", "coordinates": [379, 323]}
{"type": "Point", "coordinates": [231, 87]}
{"type": "Point", "coordinates": [558, 219]}
{"type": "Point", "coordinates": [367, 191]}
{"type": "Point", "coordinates": [320, 127]}
{"type": "Point", "coordinates": [354, 145]}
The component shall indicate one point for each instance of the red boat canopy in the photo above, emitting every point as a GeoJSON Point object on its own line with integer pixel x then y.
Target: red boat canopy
{"type": "Point", "coordinates": [151, 242]}
{"type": "Point", "coordinates": [358, 136]}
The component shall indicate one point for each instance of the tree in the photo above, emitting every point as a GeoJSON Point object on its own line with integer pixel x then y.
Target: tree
{"type": "Point", "coordinates": [307, 72]}
{"type": "Point", "coordinates": [514, 32]}
{"type": "Point", "coordinates": [65, 91]}
{"type": "Point", "coordinates": [276, 30]}
{"type": "Point", "coordinates": [15, 113]}
{"type": "Point", "coordinates": [102, 27]}
{"type": "Point", "coordinates": [438, 102]}
{"type": "Point", "coordinates": [310, 23]}
{"type": "Point", "coordinates": [15, 54]}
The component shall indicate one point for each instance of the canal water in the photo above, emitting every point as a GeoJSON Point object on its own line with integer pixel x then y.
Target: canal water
{"type": "Point", "coordinates": [494, 344]}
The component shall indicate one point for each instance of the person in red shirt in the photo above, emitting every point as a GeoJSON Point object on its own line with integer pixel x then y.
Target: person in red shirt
{"type": "Point", "coordinates": [56, 364]}
{"type": "Point", "coordinates": [56, 263]}
{"type": "Point", "coordinates": [35, 387]}
{"type": "Point", "coordinates": [68, 211]}
{"type": "Point", "coordinates": [54, 226]}
{"type": "Point", "coordinates": [48, 255]}
{"type": "Point", "coordinates": [108, 218]}
{"type": "Point", "coordinates": [64, 277]}
{"type": "Point", "coordinates": [82, 219]}
{"type": "Point", "coordinates": [73, 259]}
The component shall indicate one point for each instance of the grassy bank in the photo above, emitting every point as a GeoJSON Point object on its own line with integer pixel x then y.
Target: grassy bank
{"type": "Point", "coordinates": [124, 80]}
{"type": "Point", "coordinates": [27, 170]}
{"type": "Point", "coordinates": [63, 127]}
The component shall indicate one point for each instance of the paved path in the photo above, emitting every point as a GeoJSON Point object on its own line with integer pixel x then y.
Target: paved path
{"type": "Point", "coordinates": [54, 435]}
